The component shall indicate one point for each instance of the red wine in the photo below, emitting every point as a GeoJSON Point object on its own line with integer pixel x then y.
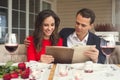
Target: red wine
{"type": "Point", "coordinates": [88, 71]}
{"type": "Point", "coordinates": [10, 47]}
{"type": "Point", "coordinates": [107, 50]}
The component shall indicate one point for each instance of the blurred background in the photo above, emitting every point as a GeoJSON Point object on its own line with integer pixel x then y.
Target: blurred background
{"type": "Point", "coordinates": [18, 16]}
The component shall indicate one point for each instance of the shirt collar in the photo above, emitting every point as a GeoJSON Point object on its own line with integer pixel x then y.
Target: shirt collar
{"type": "Point", "coordinates": [84, 40]}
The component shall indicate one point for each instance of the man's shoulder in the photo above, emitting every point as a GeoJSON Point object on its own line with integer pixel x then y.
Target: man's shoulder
{"type": "Point", "coordinates": [94, 35]}
{"type": "Point", "coordinates": [67, 29]}
{"type": "Point", "coordinates": [65, 32]}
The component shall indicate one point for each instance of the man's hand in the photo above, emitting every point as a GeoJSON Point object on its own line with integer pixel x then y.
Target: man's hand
{"type": "Point", "coordinates": [92, 53]}
{"type": "Point", "coordinates": [26, 42]}
{"type": "Point", "coordinates": [47, 58]}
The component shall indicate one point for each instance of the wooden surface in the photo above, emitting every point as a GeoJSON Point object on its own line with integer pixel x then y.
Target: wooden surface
{"type": "Point", "coordinates": [118, 65]}
{"type": "Point", "coordinates": [52, 72]}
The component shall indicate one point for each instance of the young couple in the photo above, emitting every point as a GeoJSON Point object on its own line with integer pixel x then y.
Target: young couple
{"type": "Point", "coordinates": [46, 34]}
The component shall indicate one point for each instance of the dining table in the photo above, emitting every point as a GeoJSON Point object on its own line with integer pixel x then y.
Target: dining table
{"type": "Point", "coordinates": [53, 71]}
{"type": "Point", "coordinates": [54, 67]}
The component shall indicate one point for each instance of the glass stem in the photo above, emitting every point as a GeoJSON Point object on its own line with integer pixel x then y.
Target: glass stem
{"type": "Point", "coordinates": [107, 59]}
{"type": "Point", "coordinates": [11, 57]}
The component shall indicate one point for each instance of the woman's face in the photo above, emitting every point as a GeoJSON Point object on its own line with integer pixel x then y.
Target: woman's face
{"type": "Point", "coordinates": [48, 27]}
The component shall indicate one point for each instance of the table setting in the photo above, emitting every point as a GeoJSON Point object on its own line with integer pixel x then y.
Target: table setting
{"type": "Point", "coordinates": [39, 71]}
{"type": "Point", "coordinates": [33, 69]}
{"type": "Point", "coordinates": [75, 71]}
{"type": "Point", "coordinates": [81, 71]}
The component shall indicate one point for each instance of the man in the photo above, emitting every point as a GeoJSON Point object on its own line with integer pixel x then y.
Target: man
{"type": "Point", "coordinates": [81, 35]}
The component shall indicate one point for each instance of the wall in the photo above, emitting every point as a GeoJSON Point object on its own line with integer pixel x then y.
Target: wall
{"type": "Point", "coordinates": [117, 11]}
{"type": "Point", "coordinates": [67, 9]}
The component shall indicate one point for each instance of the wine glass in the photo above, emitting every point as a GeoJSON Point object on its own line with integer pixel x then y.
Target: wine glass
{"type": "Point", "coordinates": [11, 43]}
{"type": "Point", "coordinates": [107, 45]}
{"type": "Point", "coordinates": [63, 70]}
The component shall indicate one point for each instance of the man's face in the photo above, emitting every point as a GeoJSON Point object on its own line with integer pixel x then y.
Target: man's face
{"type": "Point", "coordinates": [82, 26]}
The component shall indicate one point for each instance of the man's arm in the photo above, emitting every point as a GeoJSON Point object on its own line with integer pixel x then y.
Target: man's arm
{"type": "Point", "coordinates": [95, 40]}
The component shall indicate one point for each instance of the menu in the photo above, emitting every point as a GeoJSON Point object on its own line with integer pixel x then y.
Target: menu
{"type": "Point", "coordinates": [61, 54]}
{"type": "Point", "coordinates": [68, 55]}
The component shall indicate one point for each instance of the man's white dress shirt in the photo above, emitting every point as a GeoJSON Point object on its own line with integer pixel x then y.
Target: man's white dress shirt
{"type": "Point", "coordinates": [73, 40]}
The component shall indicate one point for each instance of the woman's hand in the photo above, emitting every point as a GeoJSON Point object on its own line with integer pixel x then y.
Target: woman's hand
{"type": "Point", "coordinates": [47, 58]}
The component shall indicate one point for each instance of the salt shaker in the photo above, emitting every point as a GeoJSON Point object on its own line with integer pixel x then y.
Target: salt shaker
{"type": "Point", "coordinates": [88, 67]}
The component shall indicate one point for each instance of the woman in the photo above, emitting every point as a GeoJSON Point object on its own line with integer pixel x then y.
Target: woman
{"type": "Point", "coordinates": [45, 34]}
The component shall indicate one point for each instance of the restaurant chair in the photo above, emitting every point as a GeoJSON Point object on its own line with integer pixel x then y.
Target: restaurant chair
{"type": "Point", "coordinates": [18, 56]}
{"type": "Point", "coordinates": [115, 56]}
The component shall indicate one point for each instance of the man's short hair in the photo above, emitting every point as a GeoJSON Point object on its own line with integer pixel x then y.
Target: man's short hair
{"type": "Point", "coordinates": [87, 13]}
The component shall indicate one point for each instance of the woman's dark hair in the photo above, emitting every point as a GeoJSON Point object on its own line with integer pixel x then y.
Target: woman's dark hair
{"type": "Point", "coordinates": [38, 32]}
{"type": "Point", "coordinates": [87, 13]}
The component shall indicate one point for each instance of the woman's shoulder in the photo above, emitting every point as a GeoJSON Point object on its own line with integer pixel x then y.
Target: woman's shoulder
{"type": "Point", "coordinates": [60, 42]}
{"type": "Point", "coordinates": [60, 39]}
